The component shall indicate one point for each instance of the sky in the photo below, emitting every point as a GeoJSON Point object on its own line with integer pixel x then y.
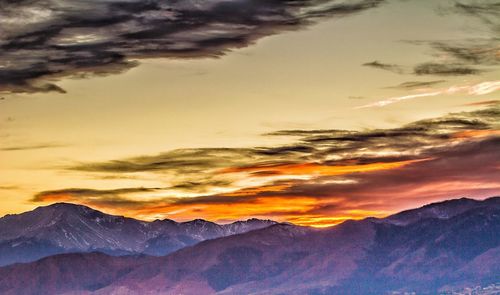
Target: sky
{"type": "Point", "coordinates": [307, 111]}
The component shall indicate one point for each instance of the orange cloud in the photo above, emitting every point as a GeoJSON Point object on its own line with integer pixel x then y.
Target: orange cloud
{"type": "Point", "coordinates": [483, 103]}
{"type": "Point", "coordinates": [315, 169]}
{"type": "Point", "coordinates": [476, 133]}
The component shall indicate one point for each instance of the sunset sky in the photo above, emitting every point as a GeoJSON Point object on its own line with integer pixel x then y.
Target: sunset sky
{"type": "Point", "coordinates": [310, 112]}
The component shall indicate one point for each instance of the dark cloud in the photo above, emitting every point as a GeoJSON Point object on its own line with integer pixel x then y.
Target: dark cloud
{"type": "Point", "coordinates": [200, 186]}
{"type": "Point", "coordinates": [383, 66]}
{"type": "Point", "coordinates": [463, 57]}
{"type": "Point", "coordinates": [76, 194]}
{"type": "Point", "coordinates": [410, 85]}
{"type": "Point", "coordinates": [443, 69]}
{"type": "Point", "coordinates": [484, 10]}
{"type": "Point", "coordinates": [285, 150]}
{"type": "Point", "coordinates": [478, 52]}
{"type": "Point", "coordinates": [48, 39]}
{"type": "Point", "coordinates": [301, 133]}
{"type": "Point", "coordinates": [183, 161]}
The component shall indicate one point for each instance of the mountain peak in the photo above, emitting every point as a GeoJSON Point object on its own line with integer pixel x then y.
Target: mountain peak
{"type": "Point", "coordinates": [198, 221]}
{"type": "Point", "coordinates": [66, 207]}
{"type": "Point", "coordinates": [440, 210]}
{"type": "Point", "coordinates": [66, 227]}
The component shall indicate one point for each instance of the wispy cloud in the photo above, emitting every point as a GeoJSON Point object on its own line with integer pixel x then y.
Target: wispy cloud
{"type": "Point", "coordinates": [410, 85]}
{"type": "Point", "coordinates": [32, 147]}
{"type": "Point", "coordinates": [460, 57]}
{"type": "Point", "coordinates": [484, 103]}
{"type": "Point", "coordinates": [8, 187]}
{"type": "Point", "coordinates": [384, 66]}
{"type": "Point", "coordinates": [110, 196]}
{"type": "Point", "coordinates": [476, 89]}
{"type": "Point", "coordinates": [486, 11]}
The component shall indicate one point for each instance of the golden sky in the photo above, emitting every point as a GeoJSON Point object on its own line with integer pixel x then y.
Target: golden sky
{"type": "Point", "coordinates": [310, 113]}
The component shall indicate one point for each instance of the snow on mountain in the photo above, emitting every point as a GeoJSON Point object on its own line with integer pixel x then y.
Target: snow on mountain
{"type": "Point", "coordinates": [64, 227]}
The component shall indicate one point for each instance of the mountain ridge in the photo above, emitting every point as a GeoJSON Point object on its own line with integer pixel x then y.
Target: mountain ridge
{"type": "Point", "coordinates": [428, 256]}
{"type": "Point", "coordinates": [66, 227]}
{"type": "Point", "coordinates": [443, 209]}
{"type": "Point", "coordinates": [84, 207]}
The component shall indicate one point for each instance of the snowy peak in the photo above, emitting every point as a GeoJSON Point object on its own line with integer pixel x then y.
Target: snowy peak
{"type": "Point", "coordinates": [66, 227]}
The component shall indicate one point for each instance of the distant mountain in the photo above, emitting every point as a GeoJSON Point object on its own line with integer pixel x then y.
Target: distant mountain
{"type": "Point", "coordinates": [429, 254]}
{"type": "Point", "coordinates": [440, 210]}
{"type": "Point", "coordinates": [64, 228]}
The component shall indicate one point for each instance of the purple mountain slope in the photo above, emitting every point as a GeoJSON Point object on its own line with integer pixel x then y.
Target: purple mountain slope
{"type": "Point", "coordinates": [63, 228]}
{"type": "Point", "coordinates": [429, 255]}
{"type": "Point", "coordinates": [440, 210]}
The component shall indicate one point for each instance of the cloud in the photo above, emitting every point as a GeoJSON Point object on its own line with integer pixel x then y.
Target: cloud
{"type": "Point", "coordinates": [484, 103]}
{"type": "Point", "coordinates": [411, 85]}
{"type": "Point", "coordinates": [8, 187]}
{"type": "Point", "coordinates": [327, 200]}
{"type": "Point", "coordinates": [484, 53]}
{"type": "Point", "coordinates": [460, 57]}
{"type": "Point", "coordinates": [442, 69]}
{"type": "Point", "coordinates": [316, 147]}
{"type": "Point", "coordinates": [486, 11]}
{"type": "Point", "coordinates": [322, 177]}
{"type": "Point", "coordinates": [426, 179]}
{"type": "Point", "coordinates": [318, 169]}
{"type": "Point", "coordinates": [456, 58]}
{"type": "Point", "coordinates": [182, 161]}
{"type": "Point", "coordinates": [482, 88]}
{"type": "Point", "coordinates": [392, 100]}
{"type": "Point", "coordinates": [301, 133]}
{"type": "Point", "coordinates": [42, 41]}
{"type": "Point", "coordinates": [112, 196]}
{"type": "Point", "coordinates": [31, 147]}
{"type": "Point", "coordinates": [383, 66]}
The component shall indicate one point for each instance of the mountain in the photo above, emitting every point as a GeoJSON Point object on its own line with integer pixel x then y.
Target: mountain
{"type": "Point", "coordinates": [427, 253]}
{"type": "Point", "coordinates": [65, 228]}
{"type": "Point", "coordinates": [440, 210]}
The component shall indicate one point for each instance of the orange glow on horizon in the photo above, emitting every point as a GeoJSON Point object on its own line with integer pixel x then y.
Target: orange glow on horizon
{"type": "Point", "coordinates": [272, 201]}
{"type": "Point", "coordinates": [282, 209]}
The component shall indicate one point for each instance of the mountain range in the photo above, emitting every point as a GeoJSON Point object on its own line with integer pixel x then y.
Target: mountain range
{"type": "Point", "coordinates": [436, 248]}
{"type": "Point", "coordinates": [67, 228]}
